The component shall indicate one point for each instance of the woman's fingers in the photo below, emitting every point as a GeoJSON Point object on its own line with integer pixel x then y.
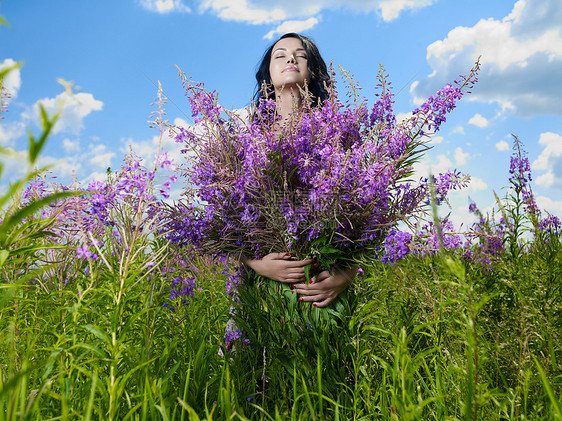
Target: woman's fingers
{"type": "Point", "coordinates": [319, 300]}
{"type": "Point", "coordinates": [312, 298]}
{"type": "Point", "coordinates": [300, 263]}
{"type": "Point", "coordinates": [325, 302]}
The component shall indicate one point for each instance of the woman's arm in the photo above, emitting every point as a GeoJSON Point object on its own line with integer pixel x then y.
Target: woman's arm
{"type": "Point", "coordinates": [279, 267]}
{"type": "Point", "coordinates": [325, 287]}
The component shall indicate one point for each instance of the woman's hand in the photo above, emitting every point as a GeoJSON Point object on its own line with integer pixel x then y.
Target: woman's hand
{"type": "Point", "coordinates": [324, 288]}
{"type": "Point", "coordinates": [279, 267]}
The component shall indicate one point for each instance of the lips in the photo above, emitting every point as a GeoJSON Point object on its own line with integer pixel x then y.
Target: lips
{"type": "Point", "coordinates": [290, 69]}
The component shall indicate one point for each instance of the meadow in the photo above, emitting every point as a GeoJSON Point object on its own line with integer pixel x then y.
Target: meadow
{"type": "Point", "coordinates": [102, 316]}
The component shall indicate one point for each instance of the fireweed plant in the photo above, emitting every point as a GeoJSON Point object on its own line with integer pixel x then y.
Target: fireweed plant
{"type": "Point", "coordinates": [330, 186]}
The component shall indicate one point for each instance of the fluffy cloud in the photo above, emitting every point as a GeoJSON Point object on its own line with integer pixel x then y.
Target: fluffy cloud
{"type": "Point", "coordinates": [458, 129]}
{"type": "Point", "coordinates": [430, 165]}
{"type": "Point", "coordinates": [298, 15]}
{"type": "Point", "coordinates": [239, 10]}
{"type": "Point", "coordinates": [165, 6]}
{"type": "Point", "coordinates": [478, 121]}
{"type": "Point", "coordinates": [521, 57]}
{"type": "Point", "coordinates": [391, 9]}
{"type": "Point", "coordinates": [460, 156]}
{"type": "Point", "coordinates": [502, 145]}
{"type": "Point", "coordinates": [147, 149]}
{"type": "Point", "coordinates": [74, 108]}
{"type": "Point", "coordinates": [71, 145]}
{"type": "Point", "coordinates": [549, 160]}
{"type": "Point", "coordinates": [292, 26]}
{"type": "Point", "coordinates": [264, 11]}
{"type": "Point", "coordinates": [12, 82]}
{"type": "Point", "coordinates": [10, 131]}
{"type": "Point", "coordinates": [551, 206]}
{"type": "Point", "coordinates": [477, 184]}
{"type": "Point", "coordinates": [99, 156]}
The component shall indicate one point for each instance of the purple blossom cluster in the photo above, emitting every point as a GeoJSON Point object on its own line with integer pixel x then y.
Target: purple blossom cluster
{"type": "Point", "coordinates": [232, 336]}
{"type": "Point", "coordinates": [181, 290]}
{"type": "Point", "coordinates": [101, 218]}
{"type": "Point", "coordinates": [447, 181]}
{"type": "Point", "coordinates": [335, 174]}
{"type": "Point", "coordinates": [396, 246]}
{"type": "Point", "coordinates": [438, 106]}
{"type": "Point", "coordinates": [551, 224]}
{"type": "Point", "coordinates": [431, 238]}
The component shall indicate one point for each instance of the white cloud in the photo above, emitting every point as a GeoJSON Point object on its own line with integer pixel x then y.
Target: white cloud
{"type": "Point", "coordinates": [95, 175]}
{"type": "Point", "coordinates": [458, 129]}
{"type": "Point", "coordinates": [430, 165]}
{"type": "Point", "coordinates": [401, 117]}
{"type": "Point", "coordinates": [477, 184]}
{"type": "Point", "coordinates": [14, 164]}
{"type": "Point", "coordinates": [12, 81]}
{"type": "Point", "coordinates": [553, 149]}
{"type": "Point", "coordinates": [437, 139]}
{"type": "Point", "coordinates": [391, 9]}
{"type": "Point", "coordinates": [502, 145]}
{"type": "Point", "coordinates": [460, 156]}
{"type": "Point", "coordinates": [165, 6]}
{"type": "Point", "coordinates": [549, 160]}
{"type": "Point", "coordinates": [71, 145]}
{"type": "Point", "coordinates": [521, 57]}
{"type": "Point", "coordinates": [551, 206]}
{"type": "Point", "coordinates": [10, 131]}
{"type": "Point", "coordinates": [99, 156]}
{"type": "Point", "coordinates": [62, 167]}
{"type": "Point", "coordinates": [292, 26]}
{"type": "Point", "coordinates": [147, 149]}
{"type": "Point", "coordinates": [547, 179]}
{"type": "Point", "coordinates": [238, 10]}
{"type": "Point", "coordinates": [264, 11]}
{"type": "Point", "coordinates": [478, 121]}
{"type": "Point", "coordinates": [297, 15]}
{"type": "Point", "coordinates": [74, 108]}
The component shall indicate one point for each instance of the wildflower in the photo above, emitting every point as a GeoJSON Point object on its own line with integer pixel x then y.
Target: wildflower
{"type": "Point", "coordinates": [83, 252]}
{"type": "Point", "coordinates": [396, 246]}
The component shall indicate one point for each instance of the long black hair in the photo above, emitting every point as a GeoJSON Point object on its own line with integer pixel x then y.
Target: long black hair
{"type": "Point", "coordinates": [316, 66]}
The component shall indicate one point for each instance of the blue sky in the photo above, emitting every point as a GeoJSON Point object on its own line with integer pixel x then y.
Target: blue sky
{"type": "Point", "coordinates": [115, 52]}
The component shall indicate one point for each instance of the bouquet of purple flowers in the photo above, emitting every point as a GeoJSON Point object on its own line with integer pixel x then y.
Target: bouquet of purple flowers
{"type": "Point", "coordinates": [328, 184]}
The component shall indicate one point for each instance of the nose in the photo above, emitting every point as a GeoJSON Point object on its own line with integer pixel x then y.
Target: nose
{"type": "Point", "coordinates": [291, 59]}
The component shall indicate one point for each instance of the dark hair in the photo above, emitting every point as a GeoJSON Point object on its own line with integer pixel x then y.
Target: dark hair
{"type": "Point", "coordinates": [316, 67]}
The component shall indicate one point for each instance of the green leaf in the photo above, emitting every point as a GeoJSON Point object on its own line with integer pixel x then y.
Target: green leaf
{"type": "Point", "coordinates": [4, 72]}
{"type": "Point", "coordinates": [550, 392]}
{"type": "Point", "coordinates": [3, 256]}
{"type": "Point", "coordinates": [12, 220]}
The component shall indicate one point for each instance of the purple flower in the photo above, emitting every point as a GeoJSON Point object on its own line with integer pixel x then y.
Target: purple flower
{"type": "Point", "coordinates": [232, 336]}
{"type": "Point", "coordinates": [83, 252]}
{"type": "Point", "coordinates": [396, 245]}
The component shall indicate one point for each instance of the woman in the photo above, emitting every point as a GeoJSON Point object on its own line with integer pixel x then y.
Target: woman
{"type": "Point", "coordinates": [289, 64]}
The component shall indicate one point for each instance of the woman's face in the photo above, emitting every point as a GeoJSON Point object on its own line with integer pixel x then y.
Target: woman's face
{"type": "Point", "coordinates": [289, 64]}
